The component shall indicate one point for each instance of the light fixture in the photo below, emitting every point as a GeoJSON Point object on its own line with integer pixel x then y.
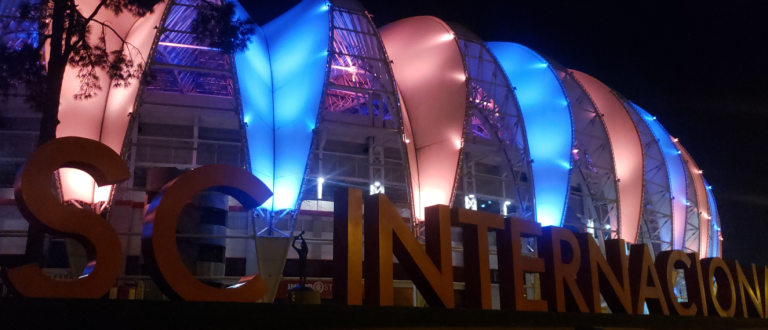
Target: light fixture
{"type": "Point", "coordinates": [470, 202]}
{"type": "Point", "coordinates": [448, 36]}
{"type": "Point", "coordinates": [352, 69]}
{"type": "Point", "coordinates": [320, 188]}
{"type": "Point", "coordinates": [377, 188]}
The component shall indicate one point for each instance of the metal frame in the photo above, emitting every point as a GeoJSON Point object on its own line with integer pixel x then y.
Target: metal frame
{"type": "Point", "coordinates": [495, 137]}
{"type": "Point", "coordinates": [594, 194]}
{"type": "Point", "coordinates": [656, 226]}
{"type": "Point", "coordinates": [167, 125]}
{"type": "Point", "coordinates": [692, 211]}
{"type": "Point", "coordinates": [358, 138]}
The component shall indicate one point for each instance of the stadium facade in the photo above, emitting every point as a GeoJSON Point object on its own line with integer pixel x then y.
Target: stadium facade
{"type": "Point", "coordinates": [420, 109]}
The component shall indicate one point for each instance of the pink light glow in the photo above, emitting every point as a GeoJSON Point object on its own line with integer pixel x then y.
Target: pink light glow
{"type": "Point", "coordinates": [627, 153]}
{"type": "Point", "coordinates": [105, 116]}
{"type": "Point", "coordinates": [433, 102]}
{"type": "Point", "coordinates": [701, 201]}
{"type": "Point", "coordinates": [352, 69]}
{"type": "Point", "coordinates": [173, 44]}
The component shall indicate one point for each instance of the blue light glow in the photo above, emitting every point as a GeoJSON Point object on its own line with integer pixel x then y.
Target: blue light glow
{"type": "Point", "coordinates": [676, 172]}
{"type": "Point", "coordinates": [548, 125]}
{"type": "Point", "coordinates": [713, 249]}
{"type": "Point", "coordinates": [281, 78]}
{"type": "Point", "coordinates": [254, 76]}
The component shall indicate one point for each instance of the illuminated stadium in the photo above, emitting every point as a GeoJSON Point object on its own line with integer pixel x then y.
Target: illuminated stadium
{"type": "Point", "coordinates": [420, 109]}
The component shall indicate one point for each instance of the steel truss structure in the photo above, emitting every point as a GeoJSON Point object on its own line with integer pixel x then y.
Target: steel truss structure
{"type": "Point", "coordinates": [495, 172]}
{"type": "Point", "coordinates": [656, 226]}
{"type": "Point", "coordinates": [359, 137]}
{"type": "Point", "coordinates": [593, 200]}
{"type": "Point", "coordinates": [187, 115]}
{"type": "Point", "coordinates": [358, 140]}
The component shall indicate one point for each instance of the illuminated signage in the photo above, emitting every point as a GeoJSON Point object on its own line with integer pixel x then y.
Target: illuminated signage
{"type": "Point", "coordinates": [574, 273]}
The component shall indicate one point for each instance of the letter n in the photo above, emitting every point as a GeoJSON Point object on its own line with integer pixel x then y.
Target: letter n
{"type": "Point", "coordinates": [748, 298]}
{"type": "Point", "coordinates": [386, 232]}
{"type": "Point", "coordinates": [607, 276]}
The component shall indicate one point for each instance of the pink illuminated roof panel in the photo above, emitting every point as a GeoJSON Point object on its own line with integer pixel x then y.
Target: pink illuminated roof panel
{"type": "Point", "coordinates": [103, 117]}
{"type": "Point", "coordinates": [627, 153]}
{"type": "Point", "coordinates": [430, 75]}
{"type": "Point", "coordinates": [701, 201]}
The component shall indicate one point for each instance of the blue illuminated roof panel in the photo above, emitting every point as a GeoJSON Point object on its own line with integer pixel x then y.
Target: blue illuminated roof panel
{"type": "Point", "coordinates": [548, 125]}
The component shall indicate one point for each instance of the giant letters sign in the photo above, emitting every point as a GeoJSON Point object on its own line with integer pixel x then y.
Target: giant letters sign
{"type": "Point", "coordinates": [574, 273]}
{"type": "Point", "coordinates": [40, 206]}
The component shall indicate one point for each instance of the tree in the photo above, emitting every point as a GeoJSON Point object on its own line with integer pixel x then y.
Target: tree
{"type": "Point", "coordinates": [74, 42]}
{"type": "Point", "coordinates": [217, 24]}
{"type": "Point", "coordinates": [78, 40]}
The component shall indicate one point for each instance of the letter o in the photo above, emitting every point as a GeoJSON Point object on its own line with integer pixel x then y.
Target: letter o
{"type": "Point", "coordinates": [725, 287]}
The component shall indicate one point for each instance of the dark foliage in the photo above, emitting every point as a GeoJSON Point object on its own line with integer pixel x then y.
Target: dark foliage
{"type": "Point", "coordinates": [23, 66]}
{"type": "Point", "coordinates": [216, 24]}
{"type": "Point", "coordinates": [83, 40]}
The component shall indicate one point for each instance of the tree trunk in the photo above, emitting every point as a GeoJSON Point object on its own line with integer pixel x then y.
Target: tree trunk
{"type": "Point", "coordinates": [50, 109]}
{"type": "Point", "coordinates": [57, 63]}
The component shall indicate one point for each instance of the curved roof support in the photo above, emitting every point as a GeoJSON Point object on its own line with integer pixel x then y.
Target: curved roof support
{"type": "Point", "coordinates": [712, 238]}
{"type": "Point", "coordinates": [675, 175]}
{"type": "Point", "coordinates": [496, 163]}
{"type": "Point", "coordinates": [430, 76]}
{"type": "Point", "coordinates": [104, 117]}
{"type": "Point", "coordinates": [593, 198]}
{"type": "Point", "coordinates": [548, 126]}
{"type": "Point", "coordinates": [627, 151]}
{"type": "Point", "coordinates": [657, 225]}
{"type": "Point", "coordinates": [702, 198]}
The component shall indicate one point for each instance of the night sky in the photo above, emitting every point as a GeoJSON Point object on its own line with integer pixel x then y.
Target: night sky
{"type": "Point", "coordinates": [699, 66]}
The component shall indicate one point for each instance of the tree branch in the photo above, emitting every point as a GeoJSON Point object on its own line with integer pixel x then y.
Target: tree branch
{"type": "Point", "coordinates": [122, 39]}
{"type": "Point", "coordinates": [88, 20]}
